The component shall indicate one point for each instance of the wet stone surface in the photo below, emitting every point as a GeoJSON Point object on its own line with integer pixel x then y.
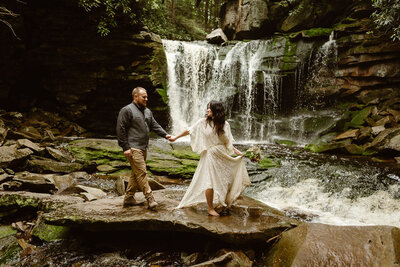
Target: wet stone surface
{"type": "Point", "coordinates": [249, 221]}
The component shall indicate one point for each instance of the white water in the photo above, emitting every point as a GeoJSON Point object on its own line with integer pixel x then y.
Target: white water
{"type": "Point", "coordinates": [198, 73]}
{"type": "Point", "coordinates": [309, 197]}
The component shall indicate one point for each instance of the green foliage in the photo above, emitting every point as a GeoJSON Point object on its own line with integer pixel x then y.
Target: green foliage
{"type": "Point", "coordinates": [183, 21]}
{"type": "Point", "coordinates": [387, 17]}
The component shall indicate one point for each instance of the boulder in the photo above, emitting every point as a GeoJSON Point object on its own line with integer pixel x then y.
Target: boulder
{"type": "Point", "coordinates": [9, 155]}
{"type": "Point", "coordinates": [44, 165]}
{"type": "Point", "coordinates": [35, 183]}
{"type": "Point", "coordinates": [216, 37]}
{"type": "Point", "coordinates": [328, 245]}
{"type": "Point", "coordinates": [238, 228]}
{"type": "Point", "coordinates": [348, 134]}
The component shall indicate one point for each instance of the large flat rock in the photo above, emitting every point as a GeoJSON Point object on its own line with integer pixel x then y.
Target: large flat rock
{"type": "Point", "coordinates": [249, 221]}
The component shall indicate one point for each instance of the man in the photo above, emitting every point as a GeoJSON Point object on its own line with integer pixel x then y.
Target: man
{"type": "Point", "coordinates": [133, 126]}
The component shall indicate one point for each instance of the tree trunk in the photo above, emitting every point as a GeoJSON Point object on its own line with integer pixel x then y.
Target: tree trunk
{"type": "Point", "coordinates": [206, 13]}
{"type": "Point", "coordinates": [216, 14]}
{"type": "Point", "coordinates": [173, 11]}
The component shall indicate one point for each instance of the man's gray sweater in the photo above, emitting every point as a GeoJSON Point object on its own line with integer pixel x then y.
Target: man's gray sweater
{"type": "Point", "coordinates": [134, 125]}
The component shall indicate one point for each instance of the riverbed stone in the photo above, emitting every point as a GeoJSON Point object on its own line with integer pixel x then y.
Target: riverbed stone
{"type": "Point", "coordinates": [348, 134]}
{"type": "Point", "coordinates": [108, 214]}
{"type": "Point", "coordinates": [59, 155]}
{"type": "Point", "coordinates": [48, 232]}
{"type": "Point", "coordinates": [328, 245]}
{"type": "Point", "coordinates": [388, 139]}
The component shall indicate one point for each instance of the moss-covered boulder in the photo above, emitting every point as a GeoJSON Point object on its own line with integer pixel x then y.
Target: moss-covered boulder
{"type": "Point", "coordinates": [48, 232]}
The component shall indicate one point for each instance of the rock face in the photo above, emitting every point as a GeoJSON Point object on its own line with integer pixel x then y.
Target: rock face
{"type": "Point", "coordinates": [216, 37]}
{"type": "Point", "coordinates": [326, 245]}
{"type": "Point", "coordinates": [237, 228]}
{"type": "Point", "coordinates": [69, 68]}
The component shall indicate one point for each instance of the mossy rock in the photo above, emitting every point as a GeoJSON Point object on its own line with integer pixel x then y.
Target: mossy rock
{"type": "Point", "coordinates": [324, 147]}
{"type": "Point", "coordinates": [9, 249]}
{"type": "Point", "coordinates": [286, 142]}
{"type": "Point", "coordinates": [185, 154]}
{"type": "Point", "coordinates": [6, 230]}
{"type": "Point", "coordinates": [266, 163]}
{"type": "Point", "coordinates": [358, 118]}
{"type": "Point", "coordinates": [48, 232]}
{"type": "Point", "coordinates": [172, 168]}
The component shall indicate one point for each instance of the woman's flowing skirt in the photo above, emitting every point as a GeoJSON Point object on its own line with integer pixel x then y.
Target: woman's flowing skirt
{"type": "Point", "coordinates": [219, 171]}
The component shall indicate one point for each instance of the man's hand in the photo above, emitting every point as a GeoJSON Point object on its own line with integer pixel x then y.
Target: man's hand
{"type": "Point", "coordinates": [127, 153]}
{"type": "Point", "coordinates": [168, 136]}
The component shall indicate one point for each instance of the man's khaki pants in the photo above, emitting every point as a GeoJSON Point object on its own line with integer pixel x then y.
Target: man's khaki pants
{"type": "Point", "coordinates": [138, 180]}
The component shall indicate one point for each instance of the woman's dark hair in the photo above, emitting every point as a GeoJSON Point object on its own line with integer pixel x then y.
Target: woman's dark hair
{"type": "Point", "coordinates": [218, 118]}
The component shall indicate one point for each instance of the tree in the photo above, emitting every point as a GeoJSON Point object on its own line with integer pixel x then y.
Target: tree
{"type": "Point", "coordinates": [387, 17]}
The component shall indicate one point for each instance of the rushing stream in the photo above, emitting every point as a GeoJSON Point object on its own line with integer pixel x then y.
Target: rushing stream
{"type": "Point", "coordinates": [318, 188]}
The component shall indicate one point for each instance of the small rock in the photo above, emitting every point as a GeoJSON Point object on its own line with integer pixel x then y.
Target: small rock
{"type": "Point", "coordinates": [10, 155]}
{"type": "Point", "coordinates": [377, 129]}
{"type": "Point", "coordinates": [397, 159]}
{"type": "Point", "coordinates": [5, 178]}
{"type": "Point", "coordinates": [91, 193]}
{"type": "Point", "coordinates": [59, 155]}
{"type": "Point", "coordinates": [383, 121]}
{"type": "Point", "coordinates": [9, 171]}
{"type": "Point", "coordinates": [191, 259]}
{"type": "Point", "coordinates": [22, 143]}
{"type": "Point", "coordinates": [120, 185]}
{"type": "Point", "coordinates": [12, 186]}
{"type": "Point", "coordinates": [217, 37]}
{"type": "Point", "coordinates": [105, 168]}
{"type": "Point", "coordinates": [348, 134]}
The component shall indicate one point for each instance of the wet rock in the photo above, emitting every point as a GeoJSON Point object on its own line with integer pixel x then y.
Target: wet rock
{"type": "Point", "coordinates": [59, 155]}
{"type": "Point", "coordinates": [192, 258]}
{"type": "Point", "coordinates": [10, 155]}
{"type": "Point", "coordinates": [22, 143]}
{"type": "Point", "coordinates": [238, 228]}
{"type": "Point", "coordinates": [217, 36]}
{"type": "Point", "coordinates": [388, 139]}
{"type": "Point", "coordinates": [9, 249]}
{"type": "Point", "coordinates": [328, 245]}
{"type": "Point", "coordinates": [43, 165]}
{"type": "Point", "coordinates": [228, 258]}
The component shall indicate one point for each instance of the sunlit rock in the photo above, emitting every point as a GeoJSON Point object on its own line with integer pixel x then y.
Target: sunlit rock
{"type": "Point", "coordinates": [216, 37]}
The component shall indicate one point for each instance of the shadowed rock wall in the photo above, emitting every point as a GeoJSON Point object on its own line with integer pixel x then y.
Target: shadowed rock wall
{"type": "Point", "coordinates": [62, 64]}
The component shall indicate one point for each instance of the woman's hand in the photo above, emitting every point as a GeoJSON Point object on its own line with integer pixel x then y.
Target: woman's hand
{"type": "Point", "coordinates": [172, 138]}
{"type": "Point", "coordinates": [237, 152]}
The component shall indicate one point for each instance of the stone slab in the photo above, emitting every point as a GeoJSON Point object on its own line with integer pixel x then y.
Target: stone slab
{"type": "Point", "coordinates": [239, 227]}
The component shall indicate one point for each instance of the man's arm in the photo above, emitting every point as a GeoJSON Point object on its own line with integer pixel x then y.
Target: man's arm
{"type": "Point", "coordinates": [155, 127]}
{"type": "Point", "coordinates": [123, 123]}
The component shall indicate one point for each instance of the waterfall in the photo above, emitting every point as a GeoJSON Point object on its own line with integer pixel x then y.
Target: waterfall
{"type": "Point", "coordinates": [249, 77]}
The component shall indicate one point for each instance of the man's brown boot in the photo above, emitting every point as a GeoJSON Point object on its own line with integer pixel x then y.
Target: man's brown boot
{"type": "Point", "coordinates": [152, 204]}
{"type": "Point", "coordinates": [129, 200]}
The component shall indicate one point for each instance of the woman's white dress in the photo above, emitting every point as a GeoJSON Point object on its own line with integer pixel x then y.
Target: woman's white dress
{"type": "Point", "coordinates": [216, 169]}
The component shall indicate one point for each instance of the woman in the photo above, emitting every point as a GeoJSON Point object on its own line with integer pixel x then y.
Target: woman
{"type": "Point", "coordinates": [218, 177]}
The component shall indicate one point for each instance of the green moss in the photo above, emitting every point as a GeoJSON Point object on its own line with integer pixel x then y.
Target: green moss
{"type": "Point", "coordinates": [163, 94]}
{"type": "Point", "coordinates": [285, 142]}
{"type": "Point", "coordinates": [185, 154]}
{"type": "Point", "coordinates": [6, 230]}
{"type": "Point", "coordinates": [358, 118]}
{"type": "Point", "coordinates": [159, 67]}
{"type": "Point", "coordinates": [311, 33]}
{"type": "Point", "coordinates": [10, 250]}
{"type": "Point", "coordinates": [266, 163]}
{"type": "Point", "coordinates": [48, 232]}
{"type": "Point", "coordinates": [318, 148]}
{"type": "Point", "coordinates": [181, 169]}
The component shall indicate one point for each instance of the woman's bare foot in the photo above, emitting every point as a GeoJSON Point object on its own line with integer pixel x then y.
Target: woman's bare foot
{"type": "Point", "coordinates": [213, 213]}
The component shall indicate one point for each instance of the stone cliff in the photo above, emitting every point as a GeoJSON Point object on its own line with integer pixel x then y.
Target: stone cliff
{"type": "Point", "coordinates": [62, 64]}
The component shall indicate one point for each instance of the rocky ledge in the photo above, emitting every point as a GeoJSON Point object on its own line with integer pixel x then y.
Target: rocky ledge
{"type": "Point", "coordinates": [249, 221]}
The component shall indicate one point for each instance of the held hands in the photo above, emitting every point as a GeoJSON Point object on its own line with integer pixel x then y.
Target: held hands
{"type": "Point", "coordinates": [237, 152]}
{"type": "Point", "coordinates": [172, 138]}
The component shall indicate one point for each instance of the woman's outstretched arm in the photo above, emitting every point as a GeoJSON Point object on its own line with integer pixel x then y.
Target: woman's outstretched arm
{"type": "Point", "coordinates": [175, 137]}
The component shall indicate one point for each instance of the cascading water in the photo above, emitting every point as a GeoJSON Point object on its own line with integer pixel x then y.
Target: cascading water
{"type": "Point", "coordinates": [248, 77]}
{"type": "Point", "coordinates": [199, 73]}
